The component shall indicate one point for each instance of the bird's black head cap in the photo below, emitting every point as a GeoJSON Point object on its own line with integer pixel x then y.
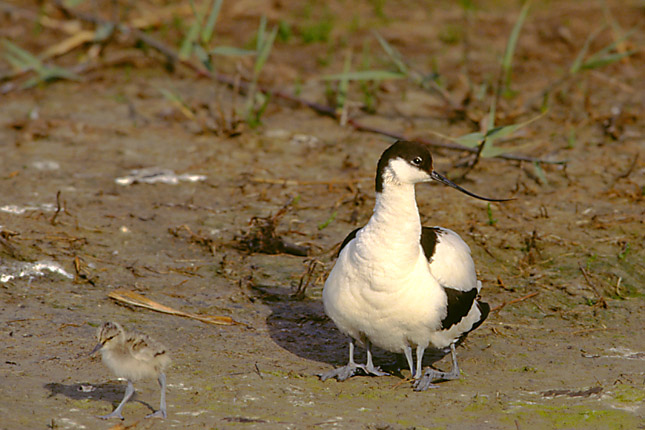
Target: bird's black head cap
{"type": "Point", "coordinates": [415, 153]}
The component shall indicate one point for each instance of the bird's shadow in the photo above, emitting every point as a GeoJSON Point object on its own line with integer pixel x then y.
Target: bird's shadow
{"type": "Point", "coordinates": [301, 327]}
{"type": "Point", "coordinates": [107, 392]}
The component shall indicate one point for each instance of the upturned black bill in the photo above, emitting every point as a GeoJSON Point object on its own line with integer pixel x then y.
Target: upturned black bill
{"type": "Point", "coordinates": [439, 178]}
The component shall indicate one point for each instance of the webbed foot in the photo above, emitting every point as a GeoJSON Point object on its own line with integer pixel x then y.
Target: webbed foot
{"type": "Point", "coordinates": [114, 414]}
{"type": "Point", "coordinates": [349, 370]}
{"type": "Point", "coordinates": [158, 414]}
{"type": "Point", "coordinates": [424, 382]}
{"type": "Point", "coordinates": [342, 373]}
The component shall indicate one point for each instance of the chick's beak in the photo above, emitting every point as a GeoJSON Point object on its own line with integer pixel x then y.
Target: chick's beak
{"type": "Point", "coordinates": [96, 348]}
{"type": "Point", "coordinates": [440, 178]}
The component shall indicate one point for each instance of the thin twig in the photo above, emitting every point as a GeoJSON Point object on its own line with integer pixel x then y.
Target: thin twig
{"type": "Point", "coordinates": [601, 300]}
{"type": "Point", "coordinates": [629, 170]}
{"type": "Point", "coordinates": [475, 160]}
{"type": "Point", "coordinates": [331, 182]}
{"type": "Point", "coordinates": [257, 370]}
{"type": "Point", "coordinates": [520, 299]}
{"type": "Point", "coordinates": [58, 209]}
{"type": "Point", "coordinates": [587, 330]}
{"type": "Point", "coordinates": [306, 278]}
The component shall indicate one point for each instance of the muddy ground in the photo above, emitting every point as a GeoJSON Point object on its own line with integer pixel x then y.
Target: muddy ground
{"type": "Point", "coordinates": [562, 264]}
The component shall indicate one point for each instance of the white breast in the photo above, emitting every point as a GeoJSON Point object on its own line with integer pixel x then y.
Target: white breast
{"type": "Point", "coordinates": [391, 301]}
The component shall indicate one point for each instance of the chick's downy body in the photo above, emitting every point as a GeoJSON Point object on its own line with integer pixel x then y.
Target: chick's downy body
{"type": "Point", "coordinates": [135, 356]}
{"type": "Point", "coordinates": [132, 356]}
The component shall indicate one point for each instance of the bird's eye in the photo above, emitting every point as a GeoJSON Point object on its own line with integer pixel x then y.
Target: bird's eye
{"type": "Point", "coordinates": [417, 161]}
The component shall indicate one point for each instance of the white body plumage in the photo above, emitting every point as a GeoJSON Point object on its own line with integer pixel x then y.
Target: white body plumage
{"type": "Point", "coordinates": [383, 287]}
{"type": "Point", "coordinates": [398, 285]}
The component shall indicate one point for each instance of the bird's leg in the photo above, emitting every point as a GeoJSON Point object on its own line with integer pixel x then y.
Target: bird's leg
{"type": "Point", "coordinates": [129, 391]}
{"type": "Point", "coordinates": [431, 374]}
{"type": "Point", "coordinates": [369, 366]}
{"type": "Point", "coordinates": [161, 413]}
{"type": "Point", "coordinates": [350, 369]}
{"type": "Point", "coordinates": [408, 356]}
{"type": "Point", "coordinates": [420, 351]}
{"type": "Point", "coordinates": [344, 372]}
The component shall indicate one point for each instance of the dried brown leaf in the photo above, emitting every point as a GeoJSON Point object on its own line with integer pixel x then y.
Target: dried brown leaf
{"type": "Point", "coordinates": [136, 299]}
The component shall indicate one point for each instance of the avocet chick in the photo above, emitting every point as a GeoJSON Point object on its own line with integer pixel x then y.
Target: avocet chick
{"type": "Point", "coordinates": [132, 356]}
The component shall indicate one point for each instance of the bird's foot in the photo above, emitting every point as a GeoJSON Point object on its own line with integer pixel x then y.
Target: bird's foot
{"type": "Point", "coordinates": [159, 414]}
{"type": "Point", "coordinates": [342, 373]}
{"type": "Point", "coordinates": [374, 370]}
{"type": "Point", "coordinates": [423, 384]}
{"type": "Point", "coordinates": [425, 381]}
{"type": "Point", "coordinates": [114, 414]}
{"type": "Point", "coordinates": [346, 372]}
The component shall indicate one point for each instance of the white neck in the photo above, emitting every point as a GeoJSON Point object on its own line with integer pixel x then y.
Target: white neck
{"type": "Point", "coordinates": [395, 225]}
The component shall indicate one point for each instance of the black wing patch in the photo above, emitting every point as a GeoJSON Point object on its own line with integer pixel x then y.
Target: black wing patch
{"type": "Point", "coordinates": [485, 310]}
{"type": "Point", "coordinates": [459, 304]}
{"type": "Point", "coordinates": [349, 237]}
{"type": "Point", "coordinates": [429, 239]}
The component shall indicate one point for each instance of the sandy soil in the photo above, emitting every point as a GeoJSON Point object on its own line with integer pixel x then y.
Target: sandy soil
{"type": "Point", "coordinates": [570, 356]}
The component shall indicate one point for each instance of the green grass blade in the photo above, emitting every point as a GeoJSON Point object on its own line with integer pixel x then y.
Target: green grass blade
{"type": "Point", "coordinates": [364, 75]}
{"type": "Point", "coordinates": [493, 151]}
{"type": "Point", "coordinates": [231, 51]}
{"type": "Point", "coordinates": [507, 62]}
{"type": "Point", "coordinates": [264, 45]}
{"type": "Point", "coordinates": [24, 60]}
{"type": "Point", "coordinates": [605, 56]}
{"type": "Point", "coordinates": [594, 63]}
{"type": "Point", "coordinates": [170, 96]}
{"type": "Point", "coordinates": [103, 31]}
{"type": "Point", "coordinates": [72, 3]}
{"type": "Point", "coordinates": [203, 56]}
{"type": "Point", "coordinates": [489, 212]}
{"type": "Point", "coordinates": [264, 51]}
{"type": "Point", "coordinates": [16, 62]}
{"type": "Point", "coordinates": [539, 172]}
{"type": "Point", "coordinates": [577, 63]}
{"type": "Point", "coordinates": [31, 82]}
{"type": "Point", "coordinates": [343, 85]}
{"type": "Point", "coordinates": [328, 221]}
{"type": "Point", "coordinates": [506, 130]}
{"type": "Point", "coordinates": [492, 112]}
{"type": "Point", "coordinates": [209, 27]}
{"type": "Point", "coordinates": [261, 34]}
{"type": "Point", "coordinates": [490, 150]}
{"type": "Point", "coordinates": [187, 44]}
{"type": "Point", "coordinates": [612, 46]}
{"type": "Point", "coordinates": [197, 15]}
{"type": "Point", "coordinates": [56, 72]}
{"type": "Point", "coordinates": [394, 55]}
{"type": "Point", "coordinates": [471, 140]}
{"type": "Point", "coordinates": [178, 102]}
{"type": "Point", "coordinates": [47, 74]}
